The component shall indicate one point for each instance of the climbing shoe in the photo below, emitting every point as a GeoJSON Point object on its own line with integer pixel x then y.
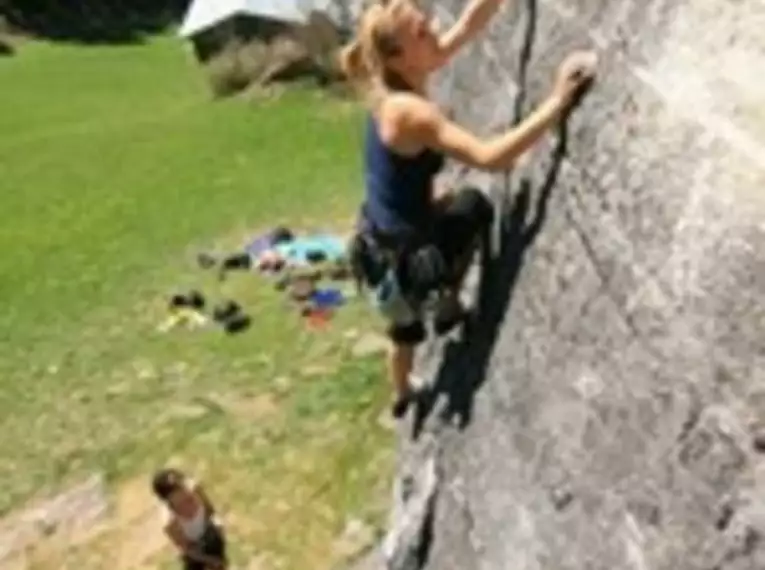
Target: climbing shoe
{"type": "Point", "coordinates": [191, 300]}
{"type": "Point", "coordinates": [400, 406]}
{"type": "Point", "coordinates": [230, 315]}
{"type": "Point", "coordinates": [237, 261]}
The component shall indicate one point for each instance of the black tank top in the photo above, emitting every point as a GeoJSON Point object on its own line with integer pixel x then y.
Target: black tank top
{"type": "Point", "coordinates": [399, 188]}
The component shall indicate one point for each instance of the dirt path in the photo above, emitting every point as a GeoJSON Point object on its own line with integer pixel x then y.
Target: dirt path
{"type": "Point", "coordinates": [84, 527]}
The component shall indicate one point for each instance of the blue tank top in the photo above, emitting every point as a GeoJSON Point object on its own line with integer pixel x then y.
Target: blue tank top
{"type": "Point", "coordinates": [398, 197]}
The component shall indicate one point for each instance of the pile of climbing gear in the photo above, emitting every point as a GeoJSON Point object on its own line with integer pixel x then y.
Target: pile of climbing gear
{"type": "Point", "coordinates": [189, 308]}
{"type": "Point", "coordinates": [312, 272]}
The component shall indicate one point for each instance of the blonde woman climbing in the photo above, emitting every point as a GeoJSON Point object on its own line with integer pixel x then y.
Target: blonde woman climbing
{"type": "Point", "coordinates": [408, 244]}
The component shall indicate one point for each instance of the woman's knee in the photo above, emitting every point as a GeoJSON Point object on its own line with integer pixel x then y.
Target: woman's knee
{"type": "Point", "coordinates": [479, 206]}
{"type": "Point", "coordinates": [472, 206]}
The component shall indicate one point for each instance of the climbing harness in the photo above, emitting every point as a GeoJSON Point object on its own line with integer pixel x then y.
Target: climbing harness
{"type": "Point", "coordinates": [402, 279]}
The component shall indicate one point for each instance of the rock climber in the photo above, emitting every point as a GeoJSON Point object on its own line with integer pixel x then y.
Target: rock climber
{"type": "Point", "coordinates": [411, 247]}
{"type": "Point", "coordinates": [189, 521]}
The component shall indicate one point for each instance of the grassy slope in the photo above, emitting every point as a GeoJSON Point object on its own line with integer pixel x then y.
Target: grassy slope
{"type": "Point", "coordinates": [115, 167]}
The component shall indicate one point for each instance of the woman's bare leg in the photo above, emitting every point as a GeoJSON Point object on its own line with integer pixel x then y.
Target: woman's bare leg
{"type": "Point", "coordinates": [400, 364]}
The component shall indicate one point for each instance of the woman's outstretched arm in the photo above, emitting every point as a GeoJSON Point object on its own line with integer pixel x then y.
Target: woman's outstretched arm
{"type": "Point", "coordinates": [412, 122]}
{"type": "Point", "coordinates": [473, 19]}
{"type": "Point", "coordinates": [496, 153]}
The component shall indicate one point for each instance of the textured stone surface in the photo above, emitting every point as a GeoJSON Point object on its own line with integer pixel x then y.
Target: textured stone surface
{"type": "Point", "coordinates": [608, 411]}
{"type": "Point", "coordinates": [68, 517]}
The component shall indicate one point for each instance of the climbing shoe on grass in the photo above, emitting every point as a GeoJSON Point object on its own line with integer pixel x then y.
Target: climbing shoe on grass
{"type": "Point", "coordinates": [230, 315]}
{"type": "Point", "coordinates": [237, 261]}
{"type": "Point", "coordinates": [190, 300]}
{"type": "Point", "coordinates": [234, 262]}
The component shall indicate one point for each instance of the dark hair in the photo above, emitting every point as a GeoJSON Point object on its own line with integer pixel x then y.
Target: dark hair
{"type": "Point", "coordinates": [165, 481]}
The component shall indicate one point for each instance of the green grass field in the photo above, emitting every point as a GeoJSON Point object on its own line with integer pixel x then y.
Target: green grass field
{"type": "Point", "coordinates": [116, 168]}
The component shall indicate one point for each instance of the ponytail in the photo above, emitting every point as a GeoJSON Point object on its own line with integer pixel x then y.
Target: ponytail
{"type": "Point", "coordinates": [352, 62]}
{"type": "Point", "coordinates": [362, 61]}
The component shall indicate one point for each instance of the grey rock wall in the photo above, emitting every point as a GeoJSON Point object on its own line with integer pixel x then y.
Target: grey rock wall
{"type": "Point", "coordinates": [605, 412]}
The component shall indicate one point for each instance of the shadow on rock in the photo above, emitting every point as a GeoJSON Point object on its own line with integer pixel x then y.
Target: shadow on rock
{"type": "Point", "coordinates": [464, 364]}
{"type": "Point", "coordinates": [463, 367]}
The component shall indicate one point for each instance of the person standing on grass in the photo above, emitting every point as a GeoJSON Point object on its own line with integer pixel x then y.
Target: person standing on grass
{"type": "Point", "coordinates": [410, 244]}
{"type": "Point", "coordinates": [190, 521]}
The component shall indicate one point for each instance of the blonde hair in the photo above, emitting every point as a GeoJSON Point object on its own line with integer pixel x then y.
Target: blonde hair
{"type": "Point", "coordinates": [362, 61]}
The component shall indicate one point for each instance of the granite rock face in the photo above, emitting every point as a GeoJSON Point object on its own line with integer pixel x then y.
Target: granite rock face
{"type": "Point", "coordinates": [607, 410]}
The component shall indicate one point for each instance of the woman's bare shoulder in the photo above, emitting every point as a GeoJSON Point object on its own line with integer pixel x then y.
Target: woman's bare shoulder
{"type": "Point", "coordinates": [402, 106]}
{"type": "Point", "coordinates": [402, 117]}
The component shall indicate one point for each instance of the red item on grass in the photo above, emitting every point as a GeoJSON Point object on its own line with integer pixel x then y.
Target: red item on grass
{"type": "Point", "coordinates": [318, 318]}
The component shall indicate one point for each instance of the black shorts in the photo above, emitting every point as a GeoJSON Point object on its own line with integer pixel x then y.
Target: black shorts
{"type": "Point", "coordinates": [212, 543]}
{"type": "Point", "coordinates": [459, 226]}
{"type": "Point", "coordinates": [467, 216]}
